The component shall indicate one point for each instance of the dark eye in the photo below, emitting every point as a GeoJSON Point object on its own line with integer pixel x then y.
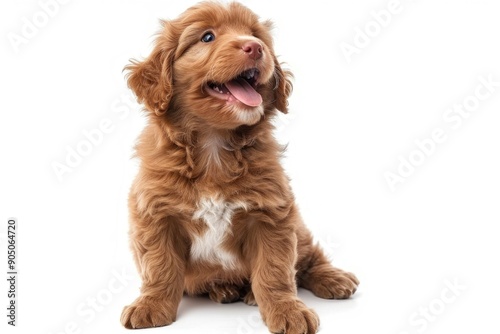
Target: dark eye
{"type": "Point", "coordinates": [208, 37]}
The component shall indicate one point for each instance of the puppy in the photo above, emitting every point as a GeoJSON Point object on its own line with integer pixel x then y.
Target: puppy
{"type": "Point", "coordinates": [211, 210]}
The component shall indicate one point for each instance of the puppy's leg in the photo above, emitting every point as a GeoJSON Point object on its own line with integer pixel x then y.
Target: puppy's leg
{"type": "Point", "coordinates": [160, 255]}
{"type": "Point", "coordinates": [272, 251]}
{"type": "Point", "coordinates": [316, 273]}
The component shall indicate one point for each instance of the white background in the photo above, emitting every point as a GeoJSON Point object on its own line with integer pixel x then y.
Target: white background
{"type": "Point", "coordinates": [348, 124]}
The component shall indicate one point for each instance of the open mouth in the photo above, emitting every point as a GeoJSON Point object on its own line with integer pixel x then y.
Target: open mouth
{"type": "Point", "coordinates": [241, 88]}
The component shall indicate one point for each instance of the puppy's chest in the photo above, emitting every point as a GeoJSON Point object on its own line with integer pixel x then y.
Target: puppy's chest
{"type": "Point", "coordinates": [217, 215]}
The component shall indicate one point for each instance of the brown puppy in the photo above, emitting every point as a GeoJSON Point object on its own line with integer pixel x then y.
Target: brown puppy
{"type": "Point", "coordinates": [211, 210]}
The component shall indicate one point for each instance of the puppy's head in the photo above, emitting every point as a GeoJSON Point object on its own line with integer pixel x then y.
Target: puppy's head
{"type": "Point", "coordinates": [213, 66]}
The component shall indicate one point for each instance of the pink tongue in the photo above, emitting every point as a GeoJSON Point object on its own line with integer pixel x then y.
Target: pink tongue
{"type": "Point", "coordinates": [244, 92]}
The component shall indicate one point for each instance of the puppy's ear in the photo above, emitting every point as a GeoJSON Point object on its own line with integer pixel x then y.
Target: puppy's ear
{"type": "Point", "coordinates": [151, 79]}
{"type": "Point", "coordinates": [283, 87]}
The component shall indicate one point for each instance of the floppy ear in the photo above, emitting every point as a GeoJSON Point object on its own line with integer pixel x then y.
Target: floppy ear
{"type": "Point", "coordinates": [151, 79]}
{"type": "Point", "coordinates": [283, 87]}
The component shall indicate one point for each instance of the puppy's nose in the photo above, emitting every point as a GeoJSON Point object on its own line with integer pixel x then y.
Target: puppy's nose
{"type": "Point", "coordinates": [253, 49]}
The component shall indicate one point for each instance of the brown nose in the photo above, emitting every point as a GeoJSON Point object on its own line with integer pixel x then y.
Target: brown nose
{"type": "Point", "coordinates": [253, 50]}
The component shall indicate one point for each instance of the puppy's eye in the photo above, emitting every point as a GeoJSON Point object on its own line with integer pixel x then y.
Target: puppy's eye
{"type": "Point", "coordinates": [208, 37]}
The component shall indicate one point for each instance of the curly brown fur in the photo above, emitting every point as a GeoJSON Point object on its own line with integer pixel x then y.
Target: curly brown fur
{"type": "Point", "coordinates": [211, 210]}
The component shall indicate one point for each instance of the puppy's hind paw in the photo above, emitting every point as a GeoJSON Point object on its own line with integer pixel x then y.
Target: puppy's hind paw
{"type": "Point", "coordinates": [224, 293]}
{"type": "Point", "coordinates": [249, 299]}
{"type": "Point", "coordinates": [333, 284]}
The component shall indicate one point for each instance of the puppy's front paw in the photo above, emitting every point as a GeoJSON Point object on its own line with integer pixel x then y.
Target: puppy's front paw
{"type": "Point", "coordinates": [147, 312]}
{"type": "Point", "coordinates": [333, 284]}
{"type": "Point", "coordinates": [291, 317]}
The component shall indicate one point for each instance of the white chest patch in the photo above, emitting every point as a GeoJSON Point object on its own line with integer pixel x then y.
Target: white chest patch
{"type": "Point", "coordinates": [217, 214]}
